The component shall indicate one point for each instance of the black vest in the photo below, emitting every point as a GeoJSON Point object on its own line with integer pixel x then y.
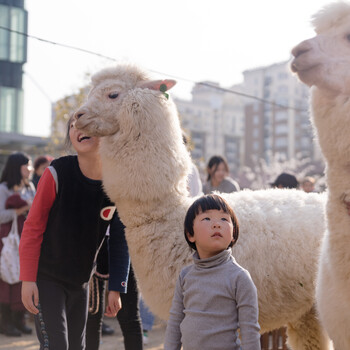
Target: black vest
{"type": "Point", "coordinates": [74, 228]}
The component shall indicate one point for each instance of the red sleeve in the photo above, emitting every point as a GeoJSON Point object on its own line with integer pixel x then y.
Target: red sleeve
{"type": "Point", "coordinates": [34, 227]}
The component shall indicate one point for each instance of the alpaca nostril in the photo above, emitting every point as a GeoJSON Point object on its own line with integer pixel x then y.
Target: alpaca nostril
{"type": "Point", "coordinates": [302, 48]}
{"type": "Point", "coordinates": [299, 51]}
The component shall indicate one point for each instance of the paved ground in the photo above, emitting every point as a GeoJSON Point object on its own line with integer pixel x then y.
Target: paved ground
{"type": "Point", "coordinates": [111, 342]}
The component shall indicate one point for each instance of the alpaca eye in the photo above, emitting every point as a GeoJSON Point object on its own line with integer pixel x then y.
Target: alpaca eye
{"type": "Point", "coordinates": [348, 37]}
{"type": "Point", "coordinates": [113, 95]}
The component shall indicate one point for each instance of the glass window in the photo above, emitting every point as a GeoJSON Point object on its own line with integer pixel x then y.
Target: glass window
{"type": "Point", "coordinates": [11, 105]}
{"type": "Point", "coordinates": [4, 34]}
{"type": "Point", "coordinates": [17, 47]}
{"type": "Point", "coordinates": [12, 45]}
{"type": "Point", "coordinates": [256, 119]}
{"type": "Point", "coordinates": [281, 115]}
{"type": "Point", "coordinates": [256, 146]}
{"type": "Point", "coordinates": [281, 142]}
{"type": "Point", "coordinates": [281, 129]}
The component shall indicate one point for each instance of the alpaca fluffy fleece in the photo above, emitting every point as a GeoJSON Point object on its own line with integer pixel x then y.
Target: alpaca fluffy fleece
{"type": "Point", "coordinates": [323, 62]}
{"type": "Point", "coordinates": [145, 166]}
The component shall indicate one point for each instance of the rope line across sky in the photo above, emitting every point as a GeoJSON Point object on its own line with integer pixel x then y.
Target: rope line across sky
{"type": "Point", "coordinates": [176, 77]}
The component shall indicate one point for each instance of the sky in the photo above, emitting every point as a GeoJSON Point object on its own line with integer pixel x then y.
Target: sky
{"type": "Point", "coordinates": [189, 40]}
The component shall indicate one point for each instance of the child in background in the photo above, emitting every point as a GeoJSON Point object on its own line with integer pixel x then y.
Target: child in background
{"type": "Point", "coordinates": [215, 296]}
{"type": "Point", "coordinates": [308, 184]}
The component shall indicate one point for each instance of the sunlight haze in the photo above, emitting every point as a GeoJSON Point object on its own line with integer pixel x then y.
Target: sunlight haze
{"type": "Point", "coordinates": [191, 40]}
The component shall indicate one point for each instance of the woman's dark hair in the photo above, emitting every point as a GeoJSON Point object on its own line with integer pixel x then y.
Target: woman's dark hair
{"type": "Point", "coordinates": [203, 204]}
{"type": "Point", "coordinates": [213, 163]}
{"type": "Point", "coordinates": [39, 161]}
{"type": "Point", "coordinates": [12, 171]}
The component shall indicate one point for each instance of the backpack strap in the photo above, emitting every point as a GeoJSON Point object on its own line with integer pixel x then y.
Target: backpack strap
{"type": "Point", "coordinates": [54, 175]}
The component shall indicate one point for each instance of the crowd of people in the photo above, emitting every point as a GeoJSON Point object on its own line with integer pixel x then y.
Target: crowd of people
{"type": "Point", "coordinates": [72, 246]}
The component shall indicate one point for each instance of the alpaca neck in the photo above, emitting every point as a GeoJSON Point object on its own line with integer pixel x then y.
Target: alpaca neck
{"type": "Point", "coordinates": [134, 213]}
{"type": "Point", "coordinates": [329, 116]}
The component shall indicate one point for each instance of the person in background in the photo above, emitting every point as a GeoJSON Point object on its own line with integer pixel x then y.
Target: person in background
{"type": "Point", "coordinates": [218, 177]}
{"type": "Point", "coordinates": [147, 319]}
{"type": "Point", "coordinates": [62, 235]}
{"type": "Point", "coordinates": [40, 164]}
{"type": "Point", "coordinates": [285, 180]}
{"type": "Point", "coordinates": [308, 184]}
{"type": "Point", "coordinates": [16, 196]}
{"type": "Point", "coordinates": [214, 297]}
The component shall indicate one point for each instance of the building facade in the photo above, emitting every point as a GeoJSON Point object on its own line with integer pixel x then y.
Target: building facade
{"type": "Point", "coordinates": [214, 119]}
{"type": "Point", "coordinates": [279, 122]}
{"type": "Point", "coordinates": [13, 55]}
{"type": "Point", "coordinates": [265, 115]}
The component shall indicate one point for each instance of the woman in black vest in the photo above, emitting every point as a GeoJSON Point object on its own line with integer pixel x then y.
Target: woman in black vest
{"type": "Point", "coordinates": [61, 238]}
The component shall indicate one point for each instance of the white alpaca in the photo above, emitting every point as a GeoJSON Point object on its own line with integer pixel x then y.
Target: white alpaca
{"type": "Point", "coordinates": [145, 165]}
{"type": "Point", "coordinates": [323, 62]}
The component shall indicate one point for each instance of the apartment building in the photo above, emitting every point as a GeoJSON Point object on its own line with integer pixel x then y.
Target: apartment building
{"type": "Point", "coordinates": [214, 118]}
{"type": "Point", "coordinates": [279, 121]}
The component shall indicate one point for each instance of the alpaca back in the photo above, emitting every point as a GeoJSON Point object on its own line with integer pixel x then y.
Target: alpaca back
{"type": "Point", "coordinates": [279, 244]}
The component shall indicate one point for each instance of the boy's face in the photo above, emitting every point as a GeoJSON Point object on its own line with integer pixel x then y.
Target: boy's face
{"type": "Point", "coordinates": [213, 232]}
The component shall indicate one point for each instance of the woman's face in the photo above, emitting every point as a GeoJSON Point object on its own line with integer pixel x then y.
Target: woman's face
{"type": "Point", "coordinates": [26, 170]}
{"type": "Point", "coordinates": [220, 173]}
{"type": "Point", "coordinates": [40, 170]}
{"type": "Point", "coordinates": [82, 143]}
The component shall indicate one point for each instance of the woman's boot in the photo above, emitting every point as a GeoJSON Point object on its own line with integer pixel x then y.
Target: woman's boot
{"type": "Point", "coordinates": [20, 323]}
{"type": "Point", "coordinates": [7, 325]}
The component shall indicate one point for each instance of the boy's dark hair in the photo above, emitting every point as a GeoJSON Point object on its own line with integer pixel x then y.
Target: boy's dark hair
{"type": "Point", "coordinates": [203, 204]}
{"type": "Point", "coordinates": [12, 170]}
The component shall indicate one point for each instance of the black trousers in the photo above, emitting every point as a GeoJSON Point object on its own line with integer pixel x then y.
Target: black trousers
{"type": "Point", "coordinates": [128, 317]}
{"type": "Point", "coordinates": [60, 324]}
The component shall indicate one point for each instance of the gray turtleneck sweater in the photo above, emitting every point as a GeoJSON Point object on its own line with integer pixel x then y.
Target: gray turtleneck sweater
{"type": "Point", "coordinates": [214, 298]}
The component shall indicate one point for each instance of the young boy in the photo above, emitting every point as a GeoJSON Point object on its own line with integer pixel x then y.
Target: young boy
{"type": "Point", "coordinates": [215, 296]}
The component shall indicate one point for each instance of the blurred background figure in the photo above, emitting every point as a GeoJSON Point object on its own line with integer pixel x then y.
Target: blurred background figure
{"type": "Point", "coordinates": [16, 196]}
{"type": "Point", "coordinates": [40, 164]}
{"type": "Point", "coordinates": [147, 319]}
{"type": "Point", "coordinates": [285, 180]}
{"type": "Point", "coordinates": [218, 177]}
{"type": "Point", "coordinates": [308, 184]}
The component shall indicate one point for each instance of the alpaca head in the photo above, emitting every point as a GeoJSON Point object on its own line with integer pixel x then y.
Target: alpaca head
{"type": "Point", "coordinates": [111, 99]}
{"type": "Point", "coordinates": [324, 61]}
{"type": "Point", "coordinates": [141, 134]}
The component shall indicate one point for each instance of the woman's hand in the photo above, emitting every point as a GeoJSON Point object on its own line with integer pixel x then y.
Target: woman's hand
{"type": "Point", "coordinates": [30, 296]}
{"type": "Point", "coordinates": [22, 210]}
{"type": "Point", "coordinates": [114, 304]}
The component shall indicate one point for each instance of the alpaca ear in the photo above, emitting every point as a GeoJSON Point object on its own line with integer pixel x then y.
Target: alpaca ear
{"type": "Point", "coordinates": [160, 85]}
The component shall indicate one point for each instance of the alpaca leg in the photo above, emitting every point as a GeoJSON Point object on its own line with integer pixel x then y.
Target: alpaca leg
{"type": "Point", "coordinates": [307, 333]}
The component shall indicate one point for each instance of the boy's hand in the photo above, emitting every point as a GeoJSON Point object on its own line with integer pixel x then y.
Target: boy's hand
{"type": "Point", "coordinates": [30, 296]}
{"type": "Point", "coordinates": [114, 304]}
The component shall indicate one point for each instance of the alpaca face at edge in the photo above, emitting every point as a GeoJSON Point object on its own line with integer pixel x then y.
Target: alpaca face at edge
{"type": "Point", "coordinates": [323, 61]}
